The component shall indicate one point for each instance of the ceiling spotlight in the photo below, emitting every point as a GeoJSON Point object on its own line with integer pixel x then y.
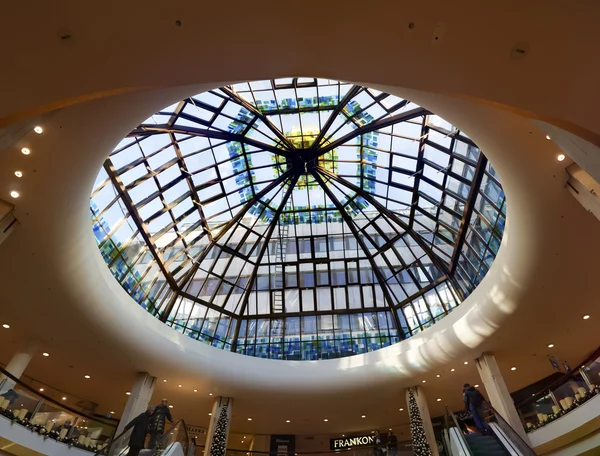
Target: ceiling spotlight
{"type": "Point", "coordinates": [195, 391]}
{"type": "Point", "coordinates": [438, 375]}
{"type": "Point", "coordinates": [25, 151]}
{"type": "Point", "coordinates": [466, 362]}
{"type": "Point", "coordinates": [18, 174]}
{"type": "Point", "coordinates": [476, 386]}
{"type": "Point", "coordinates": [452, 370]}
{"type": "Point", "coordinates": [363, 416]}
{"type": "Point", "coordinates": [46, 354]}
{"type": "Point", "coordinates": [39, 130]}
{"type": "Point", "coordinates": [14, 194]}
{"type": "Point", "coordinates": [548, 137]}
{"type": "Point", "coordinates": [86, 376]}
{"type": "Point", "coordinates": [586, 317]}
{"type": "Point", "coordinates": [112, 413]}
{"type": "Point", "coordinates": [561, 157]}
{"type": "Point", "coordinates": [64, 398]}
{"type": "Point", "coordinates": [287, 421]}
{"type": "Point", "coordinates": [210, 394]}
{"type": "Point", "coordinates": [401, 409]}
{"type": "Point", "coordinates": [424, 381]}
{"type": "Point", "coordinates": [5, 326]}
{"type": "Point", "coordinates": [325, 419]}
{"type": "Point", "coordinates": [128, 393]}
{"type": "Point", "coordinates": [42, 390]}
{"type": "Point", "coordinates": [513, 368]}
{"type": "Point", "coordinates": [550, 345]}
{"type": "Point", "coordinates": [164, 380]}
{"type": "Point", "coordinates": [249, 419]}
{"type": "Point", "coordinates": [439, 399]}
{"type": "Point", "coordinates": [180, 386]}
{"type": "Point", "coordinates": [171, 406]}
{"type": "Point", "coordinates": [210, 414]}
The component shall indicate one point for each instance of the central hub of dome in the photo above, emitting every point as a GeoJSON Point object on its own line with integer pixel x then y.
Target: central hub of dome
{"type": "Point", "coordinates": [297, 218]}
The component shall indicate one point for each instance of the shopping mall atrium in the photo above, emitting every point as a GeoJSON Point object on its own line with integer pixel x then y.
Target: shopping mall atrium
{"type": "Point", "coordinates": [304, 240]}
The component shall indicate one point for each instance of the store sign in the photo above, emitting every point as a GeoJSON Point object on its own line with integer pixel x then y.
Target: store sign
{"type": "Point", "coordinates": [283, 445]}
{"type": "Point", "coordinates": [348, 442]}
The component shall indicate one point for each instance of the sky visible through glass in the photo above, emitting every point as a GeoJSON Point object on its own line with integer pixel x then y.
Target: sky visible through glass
{"type": "Point", "coordinates": [297, 218]}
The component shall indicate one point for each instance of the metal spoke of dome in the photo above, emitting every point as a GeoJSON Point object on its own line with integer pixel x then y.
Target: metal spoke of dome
{"type": "Point", "coordinates": [469, 205]}
{"type": "Point", "coordinates": [355, 90]}
{"type": "Point", "coordinates": [250, 107]}
{"type": "Point", "coordinates": [384, 210]}
{"type": "Point", "coordinates": [145, 130]}
{"type": "Point", "coordinates": [262, 251]}
{"type": "Point", "coordinates": [137, 219]}
{"type": "Point", "coordinates": [360, 241]}
{"type": "Point", "coordinates": [216, 238]}
{"type": "Point", "coordinates": [377, 125]}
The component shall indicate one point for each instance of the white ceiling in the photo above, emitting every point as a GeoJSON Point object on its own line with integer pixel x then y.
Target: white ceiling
{"type": "Point", "coordinates": [56, 288]}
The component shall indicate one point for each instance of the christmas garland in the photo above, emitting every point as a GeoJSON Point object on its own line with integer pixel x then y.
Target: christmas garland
{"type": "Point", "coordinates": [554, 416]}
{"type": "Point", "coordinates": [218, 446]}
{"type": "Point", "coordinates": [41, 430]}
{"type": "Point", "coordinates": [420, 445]}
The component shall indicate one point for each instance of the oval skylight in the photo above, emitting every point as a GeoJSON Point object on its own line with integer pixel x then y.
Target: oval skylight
{"type": "Point", "coordinates": [297, 218]}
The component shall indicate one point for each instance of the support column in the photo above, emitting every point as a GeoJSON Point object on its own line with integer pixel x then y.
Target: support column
{"type": "Point", "coordinates": [18, 364]}
{"type": "Point", "coordinates": [421, 429]}
{"type": "Point", "coordinates": [218, 429]}
{"type": "Point", "coordinates": [498, 392]}
{"type": "Point", "coordinates": [141, 393]}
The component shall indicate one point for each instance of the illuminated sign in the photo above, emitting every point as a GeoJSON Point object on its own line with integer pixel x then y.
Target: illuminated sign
{"type": "Point", "coordinates": [348, 442]}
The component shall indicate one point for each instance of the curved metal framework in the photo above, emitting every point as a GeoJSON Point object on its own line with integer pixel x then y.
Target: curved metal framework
{"type": "Point", "coordinates": [298, 218]}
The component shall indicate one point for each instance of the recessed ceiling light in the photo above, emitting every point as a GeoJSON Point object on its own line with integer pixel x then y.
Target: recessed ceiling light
{"type": "Point", "coordinates": [561, 157]}
{"type": "Point", "coordinates": [452, 370]}
{"type": "Point", "coordinates": [195, 391]}
{"type": "Point", "coordinates": [550, 345]}
{"type": "Point", "coordinates": [325, 419]}
{"type": "Point", "coordinates": [128, 393]}
{"type": "Point", "coordinates": [64, 398]}
{"type": "Point", "coordinates": [164, 380]}
{"type": "Point", "coordinates": [171, 406]}
{"type": "Point", "coordinates": [210, 414]}
{"type": "Point", "coordinates": [401, 409]}
{"type": "Point", "coordinates": [46, 354]}
{"type": "Point", "coordinates": [14, 194]}
{"type": "Point", "coordinates": [210, 394]}
{"type": "Point", "coordinates": [39, 130]}
{"type": "Point", "coordinates": [466, 362]}
{"type": "Point", "coordinates": [287, 421]}
{"type": "Point", "coordinates": [439, 399]}
{"type": "Point", "coordinates": [19, 174]}
{"type": "Point", "coordinates": [476, 386]}
{"type": "Point", "coordinates": [112, 413]}
{"type": "Point", "coordinates": [586, 317]}
{"type": "Point", "coordinates": [180, 386]}
{"type": "Point", "coordinates": [86, 376]}
{"type": "Point", "coordinates": [438, 375]}
{"type": "Point", "coordinates": [25, 151]}
{"type": "Point", "coordinates": [513, 368]}
{"type": "Point", "coordinates": [42, 390]}
{"type": "Point", "coordinates": [5, 326]}
{"type": "Point", "coordinates": [424, 381]}
{"type": "Point", "coordinates": [363, 416]}
{"type": "Point", "coordinates": [548, 137]}
{"type": "Point", "coordinates": [249, 419]}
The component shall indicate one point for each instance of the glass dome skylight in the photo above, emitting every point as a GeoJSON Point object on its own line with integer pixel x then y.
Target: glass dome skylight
{"type": "Point", "coordinates": [297, 218]}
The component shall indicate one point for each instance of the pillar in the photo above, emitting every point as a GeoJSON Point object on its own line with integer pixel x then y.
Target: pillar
{"type": "Point", "coordinates": [141, 393]}
{"type": "Point", "coordinates": [18, 364]}
{"type": "Point", "coordinates": [498, 392]}
{"type": "Point", "coordinates": [218, 429]}
{"type": "Point", "coordinates": [421, 427]}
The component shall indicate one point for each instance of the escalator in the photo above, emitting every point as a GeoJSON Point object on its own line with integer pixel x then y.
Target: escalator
{"type": "Point", "coordinates": [174, 442]}
{"type": "Point", "coordinates": [502, 441]}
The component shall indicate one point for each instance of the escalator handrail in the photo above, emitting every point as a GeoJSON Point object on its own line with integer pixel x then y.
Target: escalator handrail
{"type": "Point", "coordinates": [168, 432]}
{"type": "Point", "coordinates": [106, 449]}
{"type": "Point", "coordinates": [460, 432]}
{"type": "Point", "coordinates": [513, 435]}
